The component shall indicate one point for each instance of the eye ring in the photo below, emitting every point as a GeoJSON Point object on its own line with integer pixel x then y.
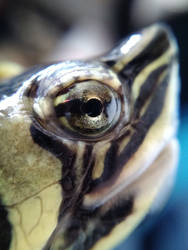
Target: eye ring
{"type": "Point", "coordinates": [89, 108]}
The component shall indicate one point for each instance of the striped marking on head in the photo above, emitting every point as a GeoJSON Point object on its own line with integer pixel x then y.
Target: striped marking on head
{"type": "Point", "coordinates": [153, 90]}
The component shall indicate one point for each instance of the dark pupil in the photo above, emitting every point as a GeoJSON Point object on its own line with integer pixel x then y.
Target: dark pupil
{"type": "Point", "coordinates": [92, 107]}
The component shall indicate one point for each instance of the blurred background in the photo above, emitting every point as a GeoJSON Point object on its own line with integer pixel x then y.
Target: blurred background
{"type": "Point", "coordinates": [40, 31]}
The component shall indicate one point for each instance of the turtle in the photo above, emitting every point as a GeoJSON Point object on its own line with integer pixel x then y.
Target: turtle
{"type": "Point", "coordinates": [88, 148]}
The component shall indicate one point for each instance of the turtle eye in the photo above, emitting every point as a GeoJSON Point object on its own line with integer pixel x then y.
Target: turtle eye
{"type": "Point", "coordinates": [89, 108]}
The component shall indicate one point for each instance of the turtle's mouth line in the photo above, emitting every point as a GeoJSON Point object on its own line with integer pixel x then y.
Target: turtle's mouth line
{"type": "Point", "coordinates": [33, 195]}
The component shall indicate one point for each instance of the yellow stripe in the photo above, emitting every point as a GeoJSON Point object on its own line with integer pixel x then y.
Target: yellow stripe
{"type": "Point", "coordinates": [99, 160]}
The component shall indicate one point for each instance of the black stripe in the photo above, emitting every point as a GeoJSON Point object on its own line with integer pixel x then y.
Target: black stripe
{"type": "Point", "coordinates": [32, 90]}
{"type": "Point", "coordinates": [87, 156]}
{"type": "Point", "coordinates": [74, 199]}
{"type": "Point", "coordinates": [110, 63]}
{"type": "Point", "coordinates": [53, 145]}
{"type": "Point", "coordinates": [148, 88]}
{"type": "Point", "coordinates": [155, 49]}
{"type": "Point", "coordinates": [104, 223]}
{"type": "Point", "coordinates": [5, 228]}
{"type": "Point", "coordinates": [88, 164]}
